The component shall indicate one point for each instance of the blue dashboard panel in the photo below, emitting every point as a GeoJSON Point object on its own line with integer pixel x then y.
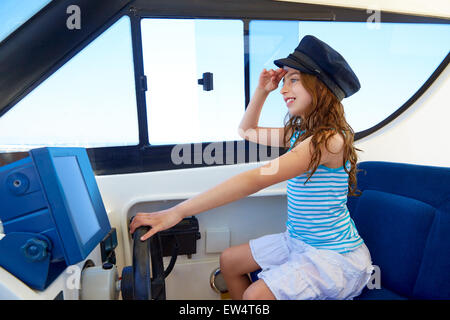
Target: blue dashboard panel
{"type": "Point", "coordinates": [79, 203]}
{"type": "Point", "coordinates": [20, 190]}
{"type": "Point", "coordinates": [52, 213]}
{"type": "Point", "coordinates": [74, 199]}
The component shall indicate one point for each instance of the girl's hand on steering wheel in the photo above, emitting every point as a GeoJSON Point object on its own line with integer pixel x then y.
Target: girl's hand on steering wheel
{"type": "Point", "coordinates": [158, 221]}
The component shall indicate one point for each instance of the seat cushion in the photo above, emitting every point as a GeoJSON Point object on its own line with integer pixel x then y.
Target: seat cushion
{"type": "Point", "coordinates": [379, 294]}
{"type": "Point", "coordinates": [433, 281]}
{"type": "Point", "coordinates": [404, 218]}
{"type": "Point", "coordinates": [395, 229]}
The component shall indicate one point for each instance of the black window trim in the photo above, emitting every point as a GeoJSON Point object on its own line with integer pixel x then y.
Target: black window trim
{"type": "Point", "coordinates": [145, 157]}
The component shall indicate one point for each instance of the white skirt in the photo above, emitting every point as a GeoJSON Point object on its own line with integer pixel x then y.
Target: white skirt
{"type": "Point", "coordinates": [294, 270]}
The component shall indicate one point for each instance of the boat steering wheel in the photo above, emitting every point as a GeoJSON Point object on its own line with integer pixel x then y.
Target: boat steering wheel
{"type": "Point", "coordinates": [138, 283]}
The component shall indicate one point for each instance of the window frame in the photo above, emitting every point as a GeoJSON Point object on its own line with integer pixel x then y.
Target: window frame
{"type": "Point", "coordinates": [145, 157]}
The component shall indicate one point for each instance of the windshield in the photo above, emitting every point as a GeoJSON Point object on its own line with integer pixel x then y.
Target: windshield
{"type": "Point", "coordinates": [14, 13]}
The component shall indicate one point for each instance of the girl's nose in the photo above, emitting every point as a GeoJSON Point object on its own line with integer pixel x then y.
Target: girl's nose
{"type": "Point", "coordinates": [283, 88]}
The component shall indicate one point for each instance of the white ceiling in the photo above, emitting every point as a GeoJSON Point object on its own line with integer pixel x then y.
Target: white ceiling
{"type": "Point", "coordinates": [434, 8]}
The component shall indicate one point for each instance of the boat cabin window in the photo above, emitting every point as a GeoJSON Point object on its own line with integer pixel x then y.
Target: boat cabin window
{"type": "Point", "coordinates": [176, 53]}
{"type": "Point", "coordinates": [89, 102]}
{"type": "Point", "coordinates": [391, 62]}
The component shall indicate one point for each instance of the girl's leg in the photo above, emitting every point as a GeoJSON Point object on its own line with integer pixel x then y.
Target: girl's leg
{"type": "Point", "coordinates": [235, 263]}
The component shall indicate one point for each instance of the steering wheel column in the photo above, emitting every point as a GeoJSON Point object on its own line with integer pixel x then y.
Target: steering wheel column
{"type": "Point", "coordinates": [144, 280]}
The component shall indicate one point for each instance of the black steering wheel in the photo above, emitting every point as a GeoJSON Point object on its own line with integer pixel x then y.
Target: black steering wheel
{"type": "Point", "coordinates": [138, 281]}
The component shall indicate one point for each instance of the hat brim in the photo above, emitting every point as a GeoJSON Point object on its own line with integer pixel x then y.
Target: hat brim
{"type": "Point", "coordinates": [280, 63]}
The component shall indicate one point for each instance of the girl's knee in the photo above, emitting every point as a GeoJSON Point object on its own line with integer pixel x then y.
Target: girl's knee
{"type": "Point", "coordinates": [258, 291]}
{"type": "Point", "coordinates": [237, 260]}
{"type": "Point", "coordinates": [226, 260]}
{"type": "Point", "coordinates": [252, 293]}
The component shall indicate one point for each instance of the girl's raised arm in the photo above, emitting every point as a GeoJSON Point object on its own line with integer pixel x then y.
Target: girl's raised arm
{"type": "Point", "coordinates": [248, 128]}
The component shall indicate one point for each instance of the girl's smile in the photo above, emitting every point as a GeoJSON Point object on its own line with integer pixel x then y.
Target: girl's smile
{"type": "Point", "coordinates": [289, 101]}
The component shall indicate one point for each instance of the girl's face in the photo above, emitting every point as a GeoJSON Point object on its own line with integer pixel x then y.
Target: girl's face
{"type": "Point", "coordinates": [297, 99]}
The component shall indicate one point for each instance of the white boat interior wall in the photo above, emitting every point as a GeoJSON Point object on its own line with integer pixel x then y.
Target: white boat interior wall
{"type": "Point", "coordinates": [406, 139]}
{"type": "Point", "coordinates": [411, 137]}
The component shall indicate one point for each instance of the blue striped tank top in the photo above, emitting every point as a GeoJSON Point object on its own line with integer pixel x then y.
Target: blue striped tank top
{"type": "Point", "coordinates": [317, 210]}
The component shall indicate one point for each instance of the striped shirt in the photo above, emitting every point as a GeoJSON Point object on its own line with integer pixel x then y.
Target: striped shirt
{"type": "Point", "coordinates": [317, 211]}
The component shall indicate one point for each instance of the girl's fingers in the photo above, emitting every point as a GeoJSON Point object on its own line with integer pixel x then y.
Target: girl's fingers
{"type": "Point", "coordinates": [151, 232]}
{"type": "Point", "coordinates": [158, 221]}
{"type": "Point", "coordinates": [138, 222]}
{"type": "Point", "coordinates": [281, 75]}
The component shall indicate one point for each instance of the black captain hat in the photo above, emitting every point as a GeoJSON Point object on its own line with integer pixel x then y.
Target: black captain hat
{"type": "Point", "coordinates": [314, 56]}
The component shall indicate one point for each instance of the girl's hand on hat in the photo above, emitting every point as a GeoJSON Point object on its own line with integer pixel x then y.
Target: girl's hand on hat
{"type": "Point", "coordinates": [269, 79]}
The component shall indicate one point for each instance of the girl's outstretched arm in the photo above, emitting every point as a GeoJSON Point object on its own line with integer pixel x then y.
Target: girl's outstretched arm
{"type": "Point", "coordinates": [235, 188]}
{"type": "Point", "coordinates": [289, 165]}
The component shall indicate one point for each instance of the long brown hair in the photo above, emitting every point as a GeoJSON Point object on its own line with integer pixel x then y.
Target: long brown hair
{"type": "Point", "coordinates": [326, 116]}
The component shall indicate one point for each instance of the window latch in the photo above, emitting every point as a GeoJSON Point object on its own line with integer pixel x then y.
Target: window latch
{"type": "Point", "coordinates": [206, 81]}
{"type": "Point", "coordinates": [144, 83]}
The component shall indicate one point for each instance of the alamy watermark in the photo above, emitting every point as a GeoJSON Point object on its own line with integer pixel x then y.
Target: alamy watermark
{"type": "Point", "coordinates": [213, 153]}
{"type": "Point", "coordinates": [74, 20]}
{"type": "Point", "coordinates": [73, 280]}
{"type": "Point", "coordinates": [375, 278]}
{"type": "Point", "coordinates": [374, 20]}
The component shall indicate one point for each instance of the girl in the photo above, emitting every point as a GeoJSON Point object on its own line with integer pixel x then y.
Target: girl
{"type": "Point", "coordinates": [320, 255]}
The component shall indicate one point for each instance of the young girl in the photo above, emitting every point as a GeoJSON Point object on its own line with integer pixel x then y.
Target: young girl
{"type": "Point", "coordinates": [320, 255]}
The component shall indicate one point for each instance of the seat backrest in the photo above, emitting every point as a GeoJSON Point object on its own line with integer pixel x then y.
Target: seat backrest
{"type": "Point", "coordinates": [403, 215]}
